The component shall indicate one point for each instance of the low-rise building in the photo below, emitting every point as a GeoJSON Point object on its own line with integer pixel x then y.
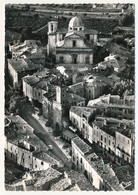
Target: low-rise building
{"type": "Point", "coordinates": [23, 147]}
{"type": "Point", "coordinates": [99, 174]}
{"type": "Point", "coordinates": [114, 106]}
{"type": "Point", "coordinates": [91, 88]}
{"type": "Point", "coordinates": [115, 137]}
{"type": "Point", "coordinates": [36, 180]}
{"type": "Point", "coordinates": [18, 68]}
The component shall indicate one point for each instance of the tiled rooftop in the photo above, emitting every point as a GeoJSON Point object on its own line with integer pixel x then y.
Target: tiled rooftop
{"type": "Point", "coordinates": [31, 80]}
{"type": "Point", "coordinates": [23, 132]}
{"type": "Point", "coordinates": [112, 101]}
{"type": "Point", "coordinates": [69, 134]}
{"type": "Point", "coordinates": [112, 125]}
{"type": "Point", "coordinates": [20, 65]}
{"type": "Point", "coordinates": [75, 98]}
{"type": "Point", "coordinates": [45, 176]}
{"type": "Point", "coordinates": [45, 157]}
{"type": "Point", "coordinates": [61, 185]}
{"type": "Point", "coordinates": [80, 180]}
{"type": "Point", "coordinates": [83, 147]}
{"type": "Point", "coordinates": [80, 110]}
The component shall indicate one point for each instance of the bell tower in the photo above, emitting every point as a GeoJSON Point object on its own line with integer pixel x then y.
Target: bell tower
{"type": "Point", "coordinates": [60, 107]}
{"type": "Point", "coordinates": [52, 30]}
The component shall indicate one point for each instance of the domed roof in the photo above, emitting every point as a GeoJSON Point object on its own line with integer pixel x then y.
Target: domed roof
{"type": "Point", "coordinates": [75, 22]}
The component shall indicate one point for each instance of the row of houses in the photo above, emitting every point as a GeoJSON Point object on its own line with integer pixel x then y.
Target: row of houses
{"type": "Point", "coordinates": [114, 136]}
{"type": "Point", "coordinates": [24, 148]}
{"type": "Point", "coordinates": [100, 174]}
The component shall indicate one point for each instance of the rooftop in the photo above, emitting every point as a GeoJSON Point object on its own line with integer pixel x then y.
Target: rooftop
{"type": "Point", "coordinates": [20, 65]}
{"type": "Point", "coordinates": [80, 180]}
{"type": "Point", "coordinates": [45, 157]}
{"type": "Point", "coordinates": [104, 170]}
{"type": "Point", "coordinates": [83, 147]}
{"type": "Point", "coordinates": [61, 185]}
{"type": "Point", "coordinates": [82, 110]}
{"type": "Point", "coordinates": [45, 176]}
{"type": "Point", "coordinates": [112, 101]}
{"type": "Point", "coordinates": [69, 134]}
{"type": "Point", "coordinates": [112, 125]}
{"type": "Point", "coordinates": [21, 133]}
{"type": "Point", "coordinates": [74, 98]}
{"type": "Point", "coordinates": [125, 175]}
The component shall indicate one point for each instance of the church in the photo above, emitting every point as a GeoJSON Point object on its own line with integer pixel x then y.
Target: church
{"type": "Point", "coordinates": [72, 47]}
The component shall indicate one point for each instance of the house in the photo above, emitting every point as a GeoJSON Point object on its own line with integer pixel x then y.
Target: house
{"type": "Point", "coordinates": [18, 68]}
{"type": "Point", "coordinates": [36, 180]}
{"type": "Point", "coordinates": [91, 88]}
{"type": "Point", "coordinates": [38, 84]}
{"type": "Point", "coordinates": [22, 146]}
{"type": "Point", "coordinates": [29, 49]}
{"type": "Point", "coordinates": [115, 137]}
{"type": "Point", "coordinates": [101, 176]}
{"type": "Point", "coordinates": [114, 106]}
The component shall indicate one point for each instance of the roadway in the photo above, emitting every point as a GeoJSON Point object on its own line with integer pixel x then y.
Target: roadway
{"type": "Point", "coordinates": [44, 136]}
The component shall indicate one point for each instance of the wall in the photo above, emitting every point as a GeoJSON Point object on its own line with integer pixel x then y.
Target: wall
{"type": "Point", "coordinates": [27, 90]}
{"type": "Point", "coordinates": [13, 75]}
{"type": "Point", "coordinates": [39, 164]}
{"type": "Point", "coordinates": [82, 165]}
{"type": "Point", "coordinates": [123, 147]}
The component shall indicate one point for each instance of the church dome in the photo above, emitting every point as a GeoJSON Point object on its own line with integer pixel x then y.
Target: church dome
{"type": "Point", "coordinates": [76, 24]}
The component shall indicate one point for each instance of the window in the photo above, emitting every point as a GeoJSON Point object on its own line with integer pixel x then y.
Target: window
{"type": "Point", "coordinates": [109, 142]}
{"type": "Point", "coordinates": [80, 160]}
{"type": "Point", "coordinates": [83, 126]}
{"type": "Point", "coordinates": [11, 155]}
{"type": "Point", "coordinates": [128, 141]}
{"type": "Point", "coordinates": [87, 60]}
{"type": "Point", "coordinates": [42, 163]}
{"type": "Point", "coordinates": [87, 36]}
{"type": "Point", "coordinates": [73, 158]}
{"type": "Point", "coordinates": [127, 159]}
{"type": "Point", "coordinates": [39, 94]}
{"type": "Point", "coordinates": [101, 137]}
{"type": "Point", "coordinates": [61, 59]}
{"type": "Point", "coordinates": [29, 156]}
{"type": "Point", "coordinates": [105, 139]}
{"type": "Point", "coordinates": [74, 43]}
{"type": "Point", "coordinates": [52, 28]}
{"type": "Point", "coordinates": [35, 166]}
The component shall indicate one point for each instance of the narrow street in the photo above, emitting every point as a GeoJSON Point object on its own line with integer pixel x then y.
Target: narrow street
{"type": "Point", "coordinates": [44, 136]}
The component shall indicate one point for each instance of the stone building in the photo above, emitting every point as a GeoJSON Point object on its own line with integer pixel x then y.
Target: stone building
{"type": "Point", "coordinates": [101, 175]}
{"type": "Point", "coordinates": [114, 137]}
{"type": "Point", "coordinates": [114, 106]}
{"type": "Point", "coordinates": [72, 47]}
{"type": "Point", "coordinates": [22, 146]}
{"type": "Point", "coordinates": [64, 100]}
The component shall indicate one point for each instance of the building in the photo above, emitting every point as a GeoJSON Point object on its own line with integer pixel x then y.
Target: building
{"type": "Point", "coordinates": [18, 68]}
{"type": "Point", "coordinates": [115, 137]}
{"type": "Point", "coordinates": [24, 148]}
{"type": "Point", "coordinates": [64, 100]}
{"type": "Point", "coordinates": [101, 175]}
{"type": "Point", "coordinates": [91, 88]}
{"type": "Point", "coordinates": [36, 180]}
{"type": "Point", "coordinates": [72, 47]}
{"type": "Point", "coordinates": [29, 49]}
{"type": "Point", "coordinates": [114, 106]}
{"type": "Point", "coordinates": [36, 85]}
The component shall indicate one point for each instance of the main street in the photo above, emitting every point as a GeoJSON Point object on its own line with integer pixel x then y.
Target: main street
{"type": "Point", "coordinates": [44, 136]}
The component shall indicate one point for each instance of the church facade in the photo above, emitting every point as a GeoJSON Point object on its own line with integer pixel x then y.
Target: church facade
{"type": "Point", "coordinates": [72, 47]}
